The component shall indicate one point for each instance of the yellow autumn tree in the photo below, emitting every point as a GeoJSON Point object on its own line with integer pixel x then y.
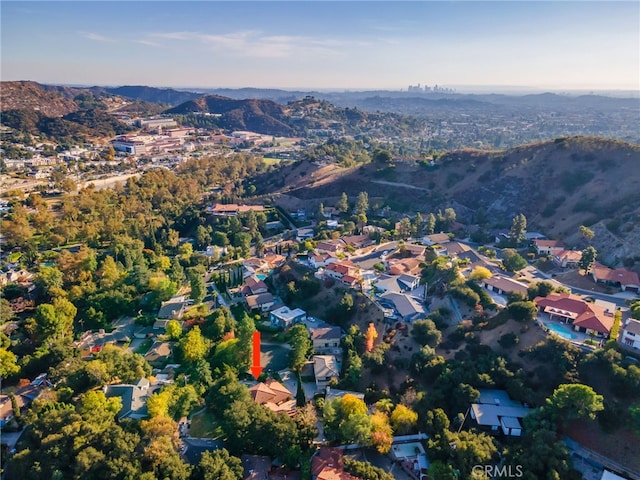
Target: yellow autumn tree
{"type": "Point", "coordinates": [370, 337]}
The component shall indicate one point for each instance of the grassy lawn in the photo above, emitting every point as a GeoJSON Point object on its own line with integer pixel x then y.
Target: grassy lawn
{"type": "Point", "coordinates": [144, 346]}
{"type": "Point", "coordinates": [204, 425]}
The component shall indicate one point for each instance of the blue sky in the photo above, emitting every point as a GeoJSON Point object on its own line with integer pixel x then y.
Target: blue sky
{"type": "Point", "coordinates": [324, 45]}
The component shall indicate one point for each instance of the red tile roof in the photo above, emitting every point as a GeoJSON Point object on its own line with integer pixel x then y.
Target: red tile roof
{"type": "Point", "coordinates": [328, 464]}
{"type": "Point", "coordinates": [583, 314]}
{"type": "Point", "coordinates": [547, 243]}
{"type": "Point", "coordinates": [619, 275]}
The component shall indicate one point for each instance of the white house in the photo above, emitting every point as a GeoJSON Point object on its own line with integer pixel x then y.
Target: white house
{"type": "Point", "coordinates": [631, 334]}
{"type": "Point", "coordinates": [284, 317]}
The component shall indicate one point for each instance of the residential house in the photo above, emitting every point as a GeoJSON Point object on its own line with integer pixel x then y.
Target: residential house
{"type": "Point", "coordinates": [262, 302]}
{"type": "Point", "coordinates": [547, 247]}
{"type": "Point", "coordinates": [326, 340]}
{"type": "Point", "coordinates": [318, 260]}
{"type": "Point", "coordinates": [408, 266]}
{"type": "Point", "coordinates": [337, 270]}
{"type": "Point", "coordinates": [631, 334]}
{"type": "Point", "coordinates": [255, 467]}
{"type": "Point", "coordinates": [358, 241]}
{"type": "Point", "coordinates": [436, 239]}
{"type": "Point", "coordinates": [303, 234]}
{"type": "Point", "coordinates": [174, 308]}
{"type": "Point", "coordinates": [406, 307]}
{"type": "Point", "coordinates": [328, 464]}
{"type": "Point", "coordinates": [350, 281]}
{"type": "Point", "coordinates": [274, 260]}
{"type": "Point", "coordinates": [504, 285]}
{"type": "Point", "coordinates": [622, 278]}
{"type": "Point", "coordinates": [397, 283]}
{"type": "Point", "coordinates": [159, 354]}
{"type": "Point", "coordinates": [284, 317]}
{"type": "Point", "coordinates": [254, 286]}
{"type": "Point", "coordinates": [7, 412]}
{"type": "Point", "coordinates": [496, 411]}
{"type": "Point", "coordinates": [330, 246]}
{"type": "Point", "coordinates": [21, 277]}
{"type": "Point", "coordinates": [456, 249]}
{"type": "Point", "coordinates": [325, 369]}
{"type": "Point", "coordinates": [273, 395]}
{"type": "Point", "coordinates": [24, 396]}
{"type": "Point", "coordinates": [590, 318]}
{"type": "Point", "coordinates": [195, 447]}
{"type": "Point", "coordinates": [567, 258]}
{"type": "Point", "coordinates": [415, 250]}
{"type": "Point", "coordinates": [231, 209]}
{"type": "Point", "coordinates": [134, 398]}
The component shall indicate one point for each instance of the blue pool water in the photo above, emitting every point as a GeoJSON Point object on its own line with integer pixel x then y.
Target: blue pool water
{"type": "Point", "coordinates": [561, 330]}
{"type": "Point", "coordinates": [261, 276]}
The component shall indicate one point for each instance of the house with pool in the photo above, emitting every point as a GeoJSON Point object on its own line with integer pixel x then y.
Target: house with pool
{"type": "Point", "coordinates": [560, 309]}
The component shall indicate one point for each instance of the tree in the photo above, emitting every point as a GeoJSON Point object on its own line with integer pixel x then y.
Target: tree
{"type": "Point", "coordinates": [512, 260]}
{"type": "Point", "coordinates": [480, 273]}
{"type": "Point", "coordinates": [203, 236]}
{"type": "Point", "coordinates": [198, 291]}
{"type": "Point", "coordinates": [362, 203]}
{"type": "Point", "coordinates": [426, 333]}
{"type": "Point", "coordinates": [404, 228]}
{"type": "Point", "coordinates": [403, 419]}
{"type": "Point", "coordinates": [343, 204]}
{"type": "Point", "coordinates": [194, 346]}
{"type": "Point", "coordinates": [430, 224]}
{"type": "Point", "coordinates": [300, 346]}
{"type": "Point", "coordinates": [381, 156]}
{"type": "Point", "coordinates": [587, 259]}
{"type": "Point", "coordinates": [586, 233]}
{"type": "Point", "coordinates": [575, 400]}
{"type": "Point", "coordinates": [370, 337]}
{"type": "Point", "coordinates": [381, 432]}
{"type": "Point", "coordinates": [8, 363]}
{"type": "Point", "coordinates": [518, 229]}
{"type": "Point", "coordinates": [346, 420]}
{"type": "Point", "coordinates": [55, 321]}
{"type": "Point", "coordinates": [523, 311]}
{"type": "Point", "coordinates": [174, 329]}
{"type": "Point", "coordinates": [242, 240]}
{"type": "Point", "coordinates": [176, 272]}
{"type": "Point", "coordinates": [218, 465]}
{"type": "Point", "coordinates": [109, 273]}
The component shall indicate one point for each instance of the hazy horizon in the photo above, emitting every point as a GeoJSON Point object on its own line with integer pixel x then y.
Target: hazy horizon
{"type": "Point", "coordinates": [327, 46]}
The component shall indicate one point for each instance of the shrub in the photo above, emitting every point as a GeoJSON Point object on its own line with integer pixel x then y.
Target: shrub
{"type": "Point", "coordinates": [509, 340]}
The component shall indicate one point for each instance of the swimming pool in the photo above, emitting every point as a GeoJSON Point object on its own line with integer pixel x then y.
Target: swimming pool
{"type": "Point", "coordinates": [561, 330]}
{"type": "Point", "coordinates": [261, 276]}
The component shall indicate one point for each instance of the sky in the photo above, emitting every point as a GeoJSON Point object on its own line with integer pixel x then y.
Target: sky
{"type": "Point", "coordinates": [554, 45]}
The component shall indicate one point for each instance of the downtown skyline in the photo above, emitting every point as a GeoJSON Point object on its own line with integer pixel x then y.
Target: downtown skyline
{"type": "Point", "coordinates": [324, 45]}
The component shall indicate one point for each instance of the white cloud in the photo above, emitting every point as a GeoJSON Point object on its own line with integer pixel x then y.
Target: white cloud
{"type": "Point", "coordinates": [148, 43]}
{"type": "Point", "coordinates": [254, 44]}
{"type": "Point", "coordinates": [95, 37]}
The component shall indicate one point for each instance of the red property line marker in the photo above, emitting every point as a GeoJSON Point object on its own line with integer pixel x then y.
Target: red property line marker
{"type": "Point", "coordinates": [256, 368]}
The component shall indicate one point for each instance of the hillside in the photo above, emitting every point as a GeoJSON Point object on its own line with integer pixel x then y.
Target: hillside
{"type": "Point", "coordinates": [559, 185]}
{"type": "Point", "coordinates": [297, 117]}
{"type": "Point", "coordinates": [33, 96]}
{"type": "Point", "coordinates": [153, 95]}
{"type": "Point", "coordinates": [263, 116]}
